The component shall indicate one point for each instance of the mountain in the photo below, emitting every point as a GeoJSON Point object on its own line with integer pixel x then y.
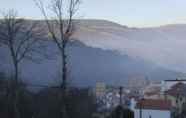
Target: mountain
{"type": "Point", "coordinates": [90, 65]}
{"type": "Point", "coordinates": [164, 45]}
{"type": "Point", "coordinates": [111, 53]}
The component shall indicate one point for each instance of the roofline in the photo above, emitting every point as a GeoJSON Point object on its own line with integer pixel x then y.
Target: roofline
{"type": "Point", "coordinates": [166, 109]}
{"type": "Point", "coordinates": [176, 80]}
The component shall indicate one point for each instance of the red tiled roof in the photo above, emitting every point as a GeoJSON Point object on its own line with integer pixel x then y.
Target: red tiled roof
{"type": "Point", "coordinates": [177, 89]}
{"type": "Point", "coordinates": [154, 104]}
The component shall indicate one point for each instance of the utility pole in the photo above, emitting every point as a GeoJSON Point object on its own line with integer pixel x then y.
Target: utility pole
{"type": "Point", "coordinates": [140, 109]}
{"type": "Point", "coordinates": [141, 103]}
{"type": "Point", "coordinates": [120, 94]}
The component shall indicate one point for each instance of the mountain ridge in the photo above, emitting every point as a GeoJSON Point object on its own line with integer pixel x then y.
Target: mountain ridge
{"type": "Point", "coordinates": [118, 52]}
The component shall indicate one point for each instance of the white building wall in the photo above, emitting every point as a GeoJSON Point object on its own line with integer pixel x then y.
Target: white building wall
{"type": "Point", "coordinates": [152, 113]}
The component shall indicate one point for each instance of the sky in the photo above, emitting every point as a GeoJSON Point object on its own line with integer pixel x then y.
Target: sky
{"type": "Point", "coordinates": [133, 13]}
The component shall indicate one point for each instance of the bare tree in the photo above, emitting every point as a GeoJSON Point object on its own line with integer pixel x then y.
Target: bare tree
{"type": "Point", "coordinates": [20, 37]}
{"type": "Point", "coordinates": [61, 27]}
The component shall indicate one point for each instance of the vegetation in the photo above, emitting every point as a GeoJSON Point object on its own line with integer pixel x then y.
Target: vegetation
{"type": "Point", "coordinates": [20, 38]}
{"type": "Point", "coordinates": [120, 112]}
{"type": "Point", "coordinates": [45, 104]}
{"type": "Point", "coordinates": [61, 27]}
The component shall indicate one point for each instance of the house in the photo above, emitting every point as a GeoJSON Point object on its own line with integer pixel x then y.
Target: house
{"type": "Point", "coordinates": [177, 95]}
{"type": "Point", "coordinates": [100, 89]}
{"type": "Point", "coordinates": [153, 91]}
{"type": "Point", "coordinates": [167, 84]}
{"type": "Point", "coordinates": [150, 108]}
{"type": "Point", "coordinates": [153, 95]}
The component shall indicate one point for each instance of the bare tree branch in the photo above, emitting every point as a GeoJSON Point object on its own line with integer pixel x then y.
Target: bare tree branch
{"type": "Point", "coordinates": [20, 39]}
{"type": "Point", "coordinates": [61, 29]}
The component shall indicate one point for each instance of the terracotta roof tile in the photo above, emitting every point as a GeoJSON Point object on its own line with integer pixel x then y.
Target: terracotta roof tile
{"type": "Point", "coordinates": [154, 104]}
{"type": "Point", "coordinates": [177, 89]}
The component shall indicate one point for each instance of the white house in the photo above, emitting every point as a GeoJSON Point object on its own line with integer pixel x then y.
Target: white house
{"type": "Point", "coordinates": [151, 108]}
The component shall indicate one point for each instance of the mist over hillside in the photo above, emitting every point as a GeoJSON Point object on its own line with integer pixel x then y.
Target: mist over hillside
{"type": "Point", "coordinates": [164, 45]}
{"type": "Point", "coordinates": [112, 53]}
{"type": "Point", "coordinates": [90, 65]}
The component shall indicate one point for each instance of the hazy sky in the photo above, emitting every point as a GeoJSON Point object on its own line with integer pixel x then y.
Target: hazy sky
{"type": "Point", "coordinates": [134, 13]}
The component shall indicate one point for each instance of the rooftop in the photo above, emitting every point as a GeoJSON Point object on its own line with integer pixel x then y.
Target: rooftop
{"type": "Point", "coordinates": [177, 89]}
{"type": "Point", "coordinates": [154, 104]}
{"type": "Point", "coordinates": [176, 80]}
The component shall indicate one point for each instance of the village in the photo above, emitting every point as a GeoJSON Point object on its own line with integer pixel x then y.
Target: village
{"type": "Point", "coordinates": [165, 99]}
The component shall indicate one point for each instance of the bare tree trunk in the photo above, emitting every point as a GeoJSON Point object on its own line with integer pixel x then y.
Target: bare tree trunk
{"type": "Point", "coordinates": [20, 39]}
{"type": "Point", "coordinates": [64, 83]}
{"type": "Point", "coordinates": [16, 108]}
{"type": "Point", "coordinates": [15, 86]}
{"type": "Point", "coordinates": [16, 92]}
{"type": "Point", "coordinates": [64, 68]}
{"type": "Point", "coordinates": [63, 24]}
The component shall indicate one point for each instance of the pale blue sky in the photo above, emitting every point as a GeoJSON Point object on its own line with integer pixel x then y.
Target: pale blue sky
{"type": "Point", "coordinates": [134, 13]}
